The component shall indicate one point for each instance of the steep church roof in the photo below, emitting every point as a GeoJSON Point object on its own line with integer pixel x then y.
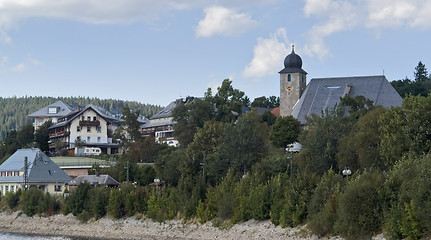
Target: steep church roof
{"type": "Point", "coordinates": [324, 93]}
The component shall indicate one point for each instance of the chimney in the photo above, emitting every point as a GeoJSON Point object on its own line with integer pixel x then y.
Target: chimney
{"type": "Point", "coordinates": [347, 90]}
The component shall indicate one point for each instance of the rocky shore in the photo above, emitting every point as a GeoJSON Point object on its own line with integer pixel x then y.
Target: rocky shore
{"type": "Point", "coordinates": [131, 228]}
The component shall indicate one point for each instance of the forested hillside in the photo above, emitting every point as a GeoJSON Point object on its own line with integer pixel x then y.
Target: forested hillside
{"type": "Point", "coordinates": [14, 111]}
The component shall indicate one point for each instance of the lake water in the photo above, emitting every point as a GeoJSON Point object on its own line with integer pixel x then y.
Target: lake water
{"type": "Point", "coordinates": [12, 236]}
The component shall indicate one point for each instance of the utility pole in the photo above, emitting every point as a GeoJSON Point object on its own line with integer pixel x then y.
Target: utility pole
{"type": "Point", "coordinates": [127, 177]}
{"type": "Point", "coordinates": [203, 167]}
{"type": "Point", "coordinates": [25, 173]}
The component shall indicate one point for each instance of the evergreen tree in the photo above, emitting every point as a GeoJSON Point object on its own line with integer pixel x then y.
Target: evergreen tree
{"type": "Point", "coordinates": [421, 73]}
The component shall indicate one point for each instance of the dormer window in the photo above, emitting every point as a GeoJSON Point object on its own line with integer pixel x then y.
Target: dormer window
{"type": "Point", "coordinates": [52, 110]}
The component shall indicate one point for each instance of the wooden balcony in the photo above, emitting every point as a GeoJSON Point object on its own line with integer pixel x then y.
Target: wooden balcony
{"type": "Point", "coordinates": [89, 123]}
{"type": "Point", "coordinates": [59, 134]}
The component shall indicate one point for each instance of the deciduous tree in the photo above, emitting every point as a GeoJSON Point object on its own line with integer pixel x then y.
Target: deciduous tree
{"type": "Point", "coordinates": [284, 131]}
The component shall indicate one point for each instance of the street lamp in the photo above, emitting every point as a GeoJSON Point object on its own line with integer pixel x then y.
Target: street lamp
{"type": "Point", "coordinates": [290, 149]}
{"type": "Point", "coordinates": [347, 172]}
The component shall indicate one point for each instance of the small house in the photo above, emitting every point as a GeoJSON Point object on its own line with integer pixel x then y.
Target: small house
{"type": "Point", "coordinates": [31, 168]}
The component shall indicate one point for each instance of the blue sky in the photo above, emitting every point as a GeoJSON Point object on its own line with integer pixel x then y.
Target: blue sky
{"type": "Point", "coordinates": [156, 51]}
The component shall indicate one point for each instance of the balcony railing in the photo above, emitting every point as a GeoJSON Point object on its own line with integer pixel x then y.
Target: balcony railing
{"type": "Point", "coordinates": [89, 123]}
{"type": "Point", "coordinates": [59, 134]}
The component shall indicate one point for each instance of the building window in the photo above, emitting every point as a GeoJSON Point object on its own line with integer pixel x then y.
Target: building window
{"type": "Point", "coordinates": [98, 139]}
{"type": "Point", "coordinates": [6, 188]}
{"type": "Point", "coordinates": [289, 78]}
{"type": "Point", "coordinates": [88, 128]}
{"type": "Point", "coordinates": [83, 118]}
{"type": "Point", "coordinates": [57, 188]}
{"type": "Point", "coordinates": [88, 118]}
{"type": "Point", "coordinates": [99, 129]}
{"type": "Point", "coordinates": [88, 139]}
{"type": "Point", "coordinates": [78, 128]}
{"type": "Point", "coordinates": [94, 119]}
{"type": "Point", "coordinates": [52, 110]}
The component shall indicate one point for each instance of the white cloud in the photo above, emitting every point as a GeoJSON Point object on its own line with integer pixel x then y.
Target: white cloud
{"type": "Point", "coordinates": [267, 55]}
{"type": "Point", "coordinates": [342, 15]}
{"type": "Point", "coordinates": [224, 21]}
{"type": "Point", "coordinates": [104, 11]}
{"type": "Point", "coordinates": [3, 61]}
{"type": "Point", "coordinates": [19, 68]}
{"type": "Point", "coordinates": [4, 37]}
{"type": "Point", "coordinates": [27, 63]}
{"type": "Point", "coordinates": [94, 11]}
{"type": "Point", "coordinates": [395, 13]}
{"type": "Point", "coordinates": [338, 16]}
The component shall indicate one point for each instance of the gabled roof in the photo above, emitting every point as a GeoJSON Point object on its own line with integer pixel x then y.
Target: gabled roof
{"type": "Point", "coordinates": [324, 93]}
{"type": "Point", "coordinates": [94, 180]}
{"type": "Point", "coordinates": [41, 169]}
{"type": "Point", "coordinates": [63, 109]}
{"type": "Point", "coordinates": [167, 111]}
{"type": "Point", "coordinates": [102, 112]}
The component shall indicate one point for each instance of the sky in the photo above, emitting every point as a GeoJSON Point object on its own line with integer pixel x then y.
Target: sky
{"type": "Point", "coordinates": [156, 51]}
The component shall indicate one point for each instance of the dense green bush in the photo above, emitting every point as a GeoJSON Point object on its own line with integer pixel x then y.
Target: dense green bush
{"type": "Point", "coordinates": [360, 213]}
{"type": "Point", "coordinates": [116, 204]}
{"type": "Point", "coordinates": [207, 210]}
{"type": "Point", "coordinates": [322, 209]}
{"type": "Point", "coordinates": [162, 205]}
{"type": "Point", "coordinates": [78, 200]}
{"type": "Point", "coordinates": [294, 211]}
{"type": "Point", "coordinates": [32, 202]}
{"type": "Point", "coordinates": [225, 197]}
{"type": "Point", "coordinates": [12, 198]}
{"type": "Point", "coordinates": [99, 201]}
{"type": "Point", "coordinates": [408, 198]}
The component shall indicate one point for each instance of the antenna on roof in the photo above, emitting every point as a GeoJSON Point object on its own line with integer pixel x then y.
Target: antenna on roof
{"type": "Point", "coordinates": [383, 72]}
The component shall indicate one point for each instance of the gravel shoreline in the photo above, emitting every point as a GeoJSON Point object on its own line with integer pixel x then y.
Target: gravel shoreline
{"type": "Point", "coordinates": [131, 228]}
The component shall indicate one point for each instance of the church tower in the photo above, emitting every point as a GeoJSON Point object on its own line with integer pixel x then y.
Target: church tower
{"type": "Point", "coordinates": [292, 83]}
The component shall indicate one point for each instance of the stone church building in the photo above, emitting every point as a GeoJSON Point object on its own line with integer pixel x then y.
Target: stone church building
{"type": "Point", "coordinates": [301, 100]}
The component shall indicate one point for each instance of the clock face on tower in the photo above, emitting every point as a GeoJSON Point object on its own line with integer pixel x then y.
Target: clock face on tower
{"type": "Point", "coordinates": [289, 88]}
